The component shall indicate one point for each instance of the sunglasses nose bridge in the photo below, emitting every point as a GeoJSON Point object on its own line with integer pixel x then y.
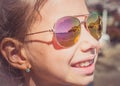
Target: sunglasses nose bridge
{"type": "Point", "coordinates": [83, 24]}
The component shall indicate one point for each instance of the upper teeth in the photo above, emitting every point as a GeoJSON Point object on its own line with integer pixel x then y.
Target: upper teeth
{"type": "Point", "coordinates": [85, 64]}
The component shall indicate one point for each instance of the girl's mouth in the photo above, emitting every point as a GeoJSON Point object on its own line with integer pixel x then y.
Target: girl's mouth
{"type": "Point", "coordinates": [85, 67]}
{"type": "Point", "coordinates": [84, 64]}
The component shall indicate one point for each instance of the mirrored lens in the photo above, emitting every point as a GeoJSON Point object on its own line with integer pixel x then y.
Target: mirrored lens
{"type": "Point", "coordinates": [94, 24]}
{"type": "Point", "coordinates": [67, 31]}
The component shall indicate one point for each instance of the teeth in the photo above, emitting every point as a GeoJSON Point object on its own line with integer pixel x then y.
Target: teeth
{"type": "Point", "coordinates": [85, 64]}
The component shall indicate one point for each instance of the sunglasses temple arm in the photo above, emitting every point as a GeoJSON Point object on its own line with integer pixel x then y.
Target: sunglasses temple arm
{"type": "Point", "coordinates": [40, 32]}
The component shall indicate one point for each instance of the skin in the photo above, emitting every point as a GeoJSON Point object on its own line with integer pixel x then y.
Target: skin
{"type": "Point", "coordinates": [50, 65]}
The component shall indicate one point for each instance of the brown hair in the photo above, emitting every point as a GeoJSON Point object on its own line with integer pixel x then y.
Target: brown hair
{"type": "Point", "coordinates": [16, 17]}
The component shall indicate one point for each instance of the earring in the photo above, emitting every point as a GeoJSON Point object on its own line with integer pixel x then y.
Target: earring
{"type": "Point", "coordinates": [28, 70]}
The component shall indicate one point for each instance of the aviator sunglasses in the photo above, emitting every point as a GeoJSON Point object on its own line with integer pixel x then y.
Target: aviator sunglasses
{"type": "Point", "coordinates": [67, 29]}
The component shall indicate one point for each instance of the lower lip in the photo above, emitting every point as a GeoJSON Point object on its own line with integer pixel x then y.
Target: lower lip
{"type": "Point", "coordinates": [86, 70]}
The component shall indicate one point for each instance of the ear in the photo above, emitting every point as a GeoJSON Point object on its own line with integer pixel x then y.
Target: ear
{"type": "Point", "coordinates": [14, 52]}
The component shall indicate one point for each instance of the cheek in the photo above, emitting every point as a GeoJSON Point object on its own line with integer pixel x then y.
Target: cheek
{"type": "Point", "coordinates": [46, 60]}
{"type": "Point", "coordinates": [58, 64]}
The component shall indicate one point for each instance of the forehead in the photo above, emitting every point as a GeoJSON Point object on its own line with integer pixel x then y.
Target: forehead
{"type": "Point", "coordinates": [61, 8]}
{"type": "Point", "coordinates": [53, 10]}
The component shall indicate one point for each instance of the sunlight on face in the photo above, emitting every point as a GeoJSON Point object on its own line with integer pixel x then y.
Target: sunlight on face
{"type": "Point", "coordinates": [74, 65]}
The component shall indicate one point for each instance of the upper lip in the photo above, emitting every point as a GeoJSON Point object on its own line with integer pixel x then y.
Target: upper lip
{"type": "Point", "coordinates": [87, 58]}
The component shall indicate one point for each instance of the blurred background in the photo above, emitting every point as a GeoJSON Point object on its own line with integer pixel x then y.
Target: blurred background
{"type": "Point", "coordinates": [108, 65]}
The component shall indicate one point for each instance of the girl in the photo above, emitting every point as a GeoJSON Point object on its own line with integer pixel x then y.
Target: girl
{"type": "Point", "coordinates": [48, 42]}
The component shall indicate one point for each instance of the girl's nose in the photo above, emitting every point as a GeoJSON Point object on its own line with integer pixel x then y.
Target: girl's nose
{"type": "Point", "coordinates": [87, 41]}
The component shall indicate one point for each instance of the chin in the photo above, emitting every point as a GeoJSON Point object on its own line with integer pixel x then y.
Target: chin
{"type": "Point", "coordinates": [84, 81]}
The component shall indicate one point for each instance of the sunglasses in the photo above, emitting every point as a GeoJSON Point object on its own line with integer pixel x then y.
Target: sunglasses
{"type": "Point", "coordinates": [67, 29]}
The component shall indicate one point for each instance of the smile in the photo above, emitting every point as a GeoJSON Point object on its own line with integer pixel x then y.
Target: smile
{"type": "Point", "coordinates": [84, 64]}
{"type": "Point", "coordinates": [84, 67]}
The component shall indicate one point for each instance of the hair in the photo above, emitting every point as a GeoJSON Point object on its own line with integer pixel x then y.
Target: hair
{"type": "Point", "coordinates": [16, 17]}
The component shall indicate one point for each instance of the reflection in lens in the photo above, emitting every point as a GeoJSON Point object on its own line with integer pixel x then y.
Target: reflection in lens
{"type": "Point", "coordinates": [94, 24]}
{"type": "Point", "coordinates": [67, 30]}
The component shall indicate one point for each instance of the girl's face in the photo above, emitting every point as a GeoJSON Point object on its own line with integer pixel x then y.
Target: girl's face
{"type": "Point", "coordinates": [73, 65]}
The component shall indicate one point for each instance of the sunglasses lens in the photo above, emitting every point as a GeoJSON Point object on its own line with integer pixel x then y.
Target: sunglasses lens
{"type": "Point", "coordinates": [67, 31]}
{"type": "Point", "coordinates": [94, 24]}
